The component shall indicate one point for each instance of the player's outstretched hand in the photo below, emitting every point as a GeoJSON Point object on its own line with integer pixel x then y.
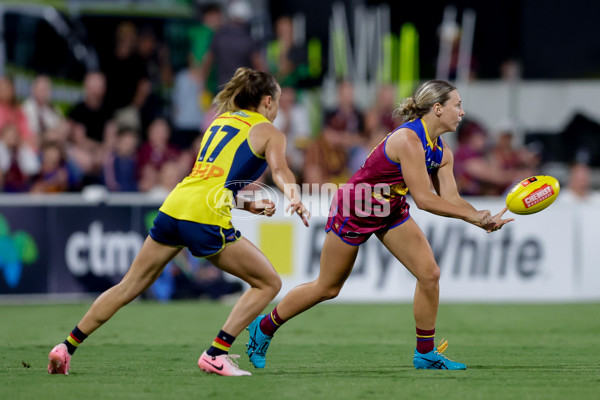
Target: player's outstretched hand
{"type": "Point", "coordinates": [480, 218]}
{"type": "Point", "coordinates": [298, 207]}
{"type": "Point", "coordinates": [497, 222]}
{"type": "Point", "coordinates": [261, 207]}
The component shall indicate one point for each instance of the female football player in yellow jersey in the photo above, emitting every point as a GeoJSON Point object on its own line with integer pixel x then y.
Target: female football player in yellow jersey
{"type": "Point", "coordinates": [235, 151]}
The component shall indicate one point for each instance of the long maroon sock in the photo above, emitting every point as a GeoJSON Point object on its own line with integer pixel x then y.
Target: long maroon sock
{"type": "Point", "coordinates": [271, 322]}
{"type": "Point", "coordinates": [425, 340]}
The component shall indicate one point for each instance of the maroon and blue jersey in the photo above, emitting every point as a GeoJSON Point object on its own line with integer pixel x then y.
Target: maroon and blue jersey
{"type": "Point", "coordinates": [374, 197]}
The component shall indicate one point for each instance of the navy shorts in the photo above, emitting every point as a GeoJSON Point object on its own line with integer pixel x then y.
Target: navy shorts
{"type": "Point", "coordinates": [202, 240]}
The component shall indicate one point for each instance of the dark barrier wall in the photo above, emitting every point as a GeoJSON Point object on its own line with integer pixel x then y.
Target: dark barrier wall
{"type": "Point", "coordinates": [68, 248]}
{"type": "Point", "coordinates": [23, 250]}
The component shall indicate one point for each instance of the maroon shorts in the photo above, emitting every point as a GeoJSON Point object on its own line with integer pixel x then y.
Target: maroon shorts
{"type": "Point", "coordinates": [355, 229]}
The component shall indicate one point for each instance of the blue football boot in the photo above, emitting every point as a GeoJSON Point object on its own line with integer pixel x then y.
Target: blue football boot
{"type": "Point", "coordinates": [435, 360]}
{"type": "Point", "coordinates": [258, 343]}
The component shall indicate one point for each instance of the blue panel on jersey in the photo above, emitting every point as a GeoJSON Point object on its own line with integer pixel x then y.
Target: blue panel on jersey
{"type": "Point", "coordinates": [433, 158]}
{"type": "Point", "coordinates": [245, 168]}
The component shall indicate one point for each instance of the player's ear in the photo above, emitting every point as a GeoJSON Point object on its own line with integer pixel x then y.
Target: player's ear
{"type": "Point", "coordinates": [267, 101]}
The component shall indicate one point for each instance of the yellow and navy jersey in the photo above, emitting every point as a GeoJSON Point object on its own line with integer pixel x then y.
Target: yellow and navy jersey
{"type": "Point", "coordinates": [226, 163]}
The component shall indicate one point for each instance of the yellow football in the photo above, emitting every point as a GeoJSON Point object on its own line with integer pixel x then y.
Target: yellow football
{"type": "Point", "coordinates": [532, 194]}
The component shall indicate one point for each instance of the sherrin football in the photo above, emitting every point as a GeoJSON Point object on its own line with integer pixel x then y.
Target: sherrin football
{"type": "Point", "coordinates": [532, 194]}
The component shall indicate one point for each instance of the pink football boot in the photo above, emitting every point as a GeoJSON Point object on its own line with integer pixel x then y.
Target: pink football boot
{"type": "Point", "coordinates": [59, 360]}
{"type": "Point", "coordinates": [224, 364]}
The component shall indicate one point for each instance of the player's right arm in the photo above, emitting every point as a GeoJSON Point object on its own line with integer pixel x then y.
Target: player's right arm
{"type": "Point", "coordinates": [445, 185]}
{"type": "Point", "coordinates": [405, 148]}
{"type": "Point", "coordinates": [270, 141]}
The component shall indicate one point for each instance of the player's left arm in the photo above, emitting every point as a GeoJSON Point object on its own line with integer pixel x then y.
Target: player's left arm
{"type": "Point", "coordinates": [444, 184]}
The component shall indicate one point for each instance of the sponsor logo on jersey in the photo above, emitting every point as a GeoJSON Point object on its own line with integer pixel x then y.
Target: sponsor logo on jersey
{"type": "Point", "coordinates": [206, 170]}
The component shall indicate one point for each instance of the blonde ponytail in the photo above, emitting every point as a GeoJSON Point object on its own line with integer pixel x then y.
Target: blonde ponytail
{"type": "Point", "coordinates": [408, 109]}
{"type": "Point", "coordinates": [426, 95]}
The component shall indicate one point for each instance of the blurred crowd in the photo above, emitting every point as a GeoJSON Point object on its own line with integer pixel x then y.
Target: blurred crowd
{"type": "Point", "coordinates": [139, 123]}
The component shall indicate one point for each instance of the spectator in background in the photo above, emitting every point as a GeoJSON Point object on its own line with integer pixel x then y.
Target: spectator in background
{"type": "Point", "coordinates": [18, 162]}
{"type": "Point", "coordinates": [12, 114]}
{"type": "Point", "coordinates": [348, 118]}
{"type": "Point", "coordinates": [188, 112]}
{"type": "Point", "coordinates": [232, 45]}
{"type": "Point", "coordinates": [54, 175]}
{"type": "Point", "coordinates": [476, 171]}
{"type": "Point", "coordinates": [127, 83]}
{"type": "Point", "coordinates": [503, 153]}
{"type": "Point", "coordinates": [90, 123]}
{"type": "Point", "coordinates": [155, 57]}
{"type": "Point", "coordinates": [378, 122]}
{"type": "Point", "coordinates": [578, 188]}
{"type": "Point", "coordinates": [326, 158]}
{"type": "Point", "coordinates": [90, 116]}
{"type": "Point", "coordinates": [292, 119]}
{"type": "Point", "coordinates": [211, 19]}
{"type": "Point", "coordinates": [77, 159]}
{"type": "Point", "coordinates": [147, 178]}
{"type": "Point", "coordinates": [188, 157]}
{"type": "Point", "coordinates": [169, 176]}
{"type": "Point", "coordinates": [286, 60]}
{"type": "Point", "coordinates": [155, 152]}
{"type": "Point", "coordinates": [382, 113]}
{"type": "Point", "coordinates": [120, 164]}
{"type": "Point", "coordinates": [41, 114]}
{"type": "Point", "coordinates": [347, 113]}
{"type": "Point", "coordinates": [509, 158]}
{"type": "Point", "coordinates": [374, 135]}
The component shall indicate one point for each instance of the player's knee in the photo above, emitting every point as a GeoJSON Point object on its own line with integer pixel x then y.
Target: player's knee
{"type": "Point", "coordinates": [276, 284]}
{"type": "Point", "coordinates": [430, 276]}
{"type": "Point", "coordinates": [273, 284]}
{"type": "Point", "coordinates": [330, 292]}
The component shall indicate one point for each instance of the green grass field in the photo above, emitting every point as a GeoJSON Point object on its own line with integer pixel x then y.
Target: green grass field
{"type": "Point", "coordinates": [335, 351]}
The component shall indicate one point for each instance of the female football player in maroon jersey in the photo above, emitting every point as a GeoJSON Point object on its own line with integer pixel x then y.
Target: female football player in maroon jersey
{"type": "Point", "coordinates": [412, 157]}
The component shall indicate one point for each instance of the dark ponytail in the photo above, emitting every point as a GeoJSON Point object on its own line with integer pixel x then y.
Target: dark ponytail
{"type": "Point", "coordinates": [245, 90]}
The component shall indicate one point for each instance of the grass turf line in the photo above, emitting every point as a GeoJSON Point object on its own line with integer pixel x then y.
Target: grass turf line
{"type": "Point", "coordinates": [334, 351]}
